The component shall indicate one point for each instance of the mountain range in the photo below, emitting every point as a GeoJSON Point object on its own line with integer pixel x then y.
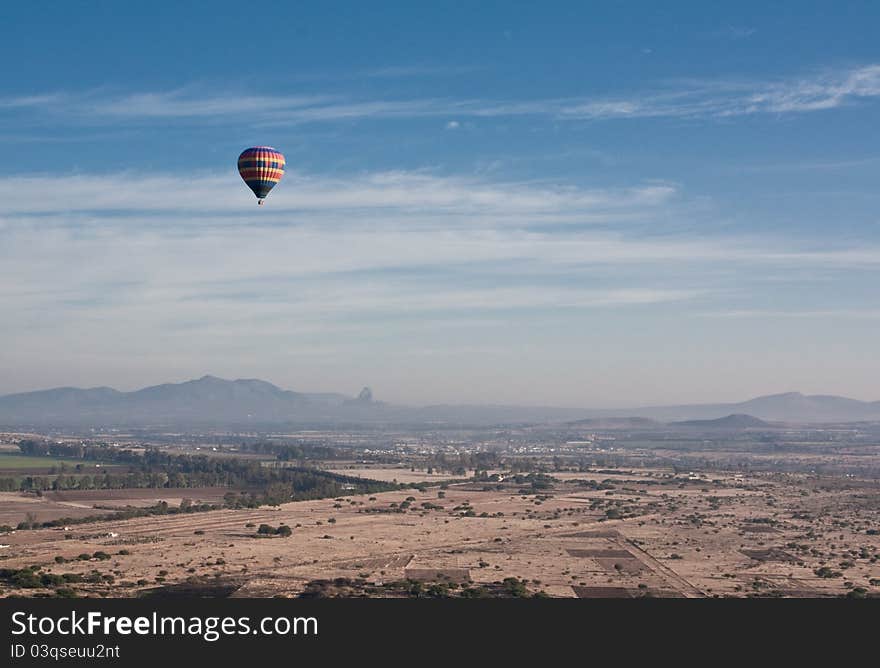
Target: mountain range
{"type": "Point", "coordinates": [214, 401]}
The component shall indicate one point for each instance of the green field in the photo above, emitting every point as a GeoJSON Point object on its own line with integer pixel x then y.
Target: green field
{"type": "Point", "coordinates": [23, 462]}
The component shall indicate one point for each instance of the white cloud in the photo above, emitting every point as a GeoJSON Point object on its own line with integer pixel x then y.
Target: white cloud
{"type": "Point", "coordinates": [371, 194]}
{"type": "Point", "coordinates": [333, 249]}
{"type": "Point", "coordinates": [695, 99]}
{"type": "Point", "coordinates": [168, 253]}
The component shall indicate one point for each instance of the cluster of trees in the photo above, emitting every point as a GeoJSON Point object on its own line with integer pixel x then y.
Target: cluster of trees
{"type": "Point", "coordinates": [510, 587]}
{"type": "Point", "coordinates": [535, 481]}
{"type": "Point", "coordinates": [37, 448]}
{"type": "Point", "coordinates": [459, 464]}
{"type": "Point", "coordinates": [827, 572]}
{"type": "Point", "coordinates": [156, 469]}
{"type": "Point", "coordinates": [269, 530]}
{"type": "Point", "coordinates": [32, 578]}
{"type": "Point", "coordinates": [307, 451]}
{"type": "Point", "coordinates": [161, 508]}
{"type": "Point", "coordinates": [356, 587]}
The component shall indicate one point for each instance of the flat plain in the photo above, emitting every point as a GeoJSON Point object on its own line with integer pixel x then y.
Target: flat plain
{"type": "Point", "coordinates": [600, 533]}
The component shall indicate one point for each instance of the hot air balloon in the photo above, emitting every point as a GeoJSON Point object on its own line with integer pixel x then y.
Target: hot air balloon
{"type": "Point", "coordinates": [261, 167]}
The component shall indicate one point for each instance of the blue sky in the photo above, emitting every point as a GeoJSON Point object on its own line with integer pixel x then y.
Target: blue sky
{"type": "Point", "coordinates": [596, 204]}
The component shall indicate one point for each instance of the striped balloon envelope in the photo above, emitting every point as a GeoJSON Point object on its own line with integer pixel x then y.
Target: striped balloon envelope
{"type": "Point", "coordinates": [261, 167]}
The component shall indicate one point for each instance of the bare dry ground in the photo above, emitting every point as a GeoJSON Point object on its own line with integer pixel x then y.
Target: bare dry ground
{"type": "Point", "coordinates": [598, 534]}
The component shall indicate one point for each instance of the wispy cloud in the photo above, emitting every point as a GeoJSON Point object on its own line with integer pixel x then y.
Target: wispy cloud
{"type": "Point", "coordinates": [181, 104]}
{"type": "Point", "coordinates": [700, 99]}
{"type": "Point", "coordinates": [194, 249]}
{"type": "Point", "coordinates": [812, 314]}
{"type": "Point", "coordinates": [369, 195]}
{"type": "Point", "coordinates": [29, 101]}
{"type": "Point", "coordinates": [338, 243]}
{"type": "Point", "coordinates": [720, 98]}
{"type": "Point", "coordinates": [812, 165]}
{"type": "Point", "coordinates": [449, 217]}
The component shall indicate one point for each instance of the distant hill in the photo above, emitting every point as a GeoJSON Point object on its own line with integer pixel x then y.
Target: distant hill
{"type": "Point", "coordinates": [735, 421]}
{"type": "Point", "coordinates": [617, 423]}
{"type": "Point", "coordinates": [215, 401]}
{"type": "Point", "coordinates": [788, 407]}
